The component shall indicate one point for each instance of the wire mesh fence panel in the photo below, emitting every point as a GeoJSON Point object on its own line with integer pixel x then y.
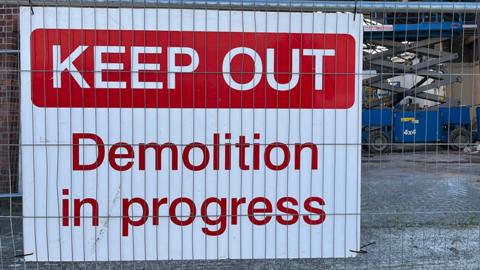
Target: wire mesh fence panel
{"type": "Point", "coordinates": [239, 134]}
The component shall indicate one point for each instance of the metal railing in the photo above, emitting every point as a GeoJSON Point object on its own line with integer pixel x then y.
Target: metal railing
{"type": "Point", "coordinates": [274, 5]}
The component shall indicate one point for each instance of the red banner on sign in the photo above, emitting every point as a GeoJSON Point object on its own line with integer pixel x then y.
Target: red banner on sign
{"type": "Point", "coordinates": [191, 69]}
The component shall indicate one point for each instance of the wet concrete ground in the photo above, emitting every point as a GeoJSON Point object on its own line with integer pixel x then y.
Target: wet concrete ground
{"type": "Point", "coordinates": [420, 210]}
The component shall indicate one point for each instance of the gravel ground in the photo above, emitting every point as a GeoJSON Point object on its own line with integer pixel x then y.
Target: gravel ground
{"type": "Point", "coordinates": [420, 210]}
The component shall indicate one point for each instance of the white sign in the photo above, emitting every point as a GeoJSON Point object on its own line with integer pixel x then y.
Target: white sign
{"type": "Point", "coordinates": [158, 134]}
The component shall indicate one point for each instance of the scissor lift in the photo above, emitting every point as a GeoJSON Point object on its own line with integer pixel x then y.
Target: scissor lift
{"type": "Point", "coordinates": [396, 59]}
{"type": "Point", "coordinates": [392, 113]}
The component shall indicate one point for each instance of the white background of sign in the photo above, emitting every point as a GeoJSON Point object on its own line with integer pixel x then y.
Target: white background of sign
{"type": "Point", "coordinates": [46, 156]}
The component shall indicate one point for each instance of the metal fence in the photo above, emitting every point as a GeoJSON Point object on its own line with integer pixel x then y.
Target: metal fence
{"type": "Point", "coordinates": [418, 99]}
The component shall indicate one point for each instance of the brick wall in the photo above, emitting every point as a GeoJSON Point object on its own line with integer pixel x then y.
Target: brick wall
{"type": "Point", "coordinates": [9, 99]}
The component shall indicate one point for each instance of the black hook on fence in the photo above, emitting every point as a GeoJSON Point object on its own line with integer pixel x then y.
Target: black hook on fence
{"type": "Point", "coordinates": [355, 10]}
{"type": "Point", "coordinates": [23, 255]}
{"type": "Point", "coordinates": [362, 251]}
{"type": "Point", "coordinates": [31, 7]}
